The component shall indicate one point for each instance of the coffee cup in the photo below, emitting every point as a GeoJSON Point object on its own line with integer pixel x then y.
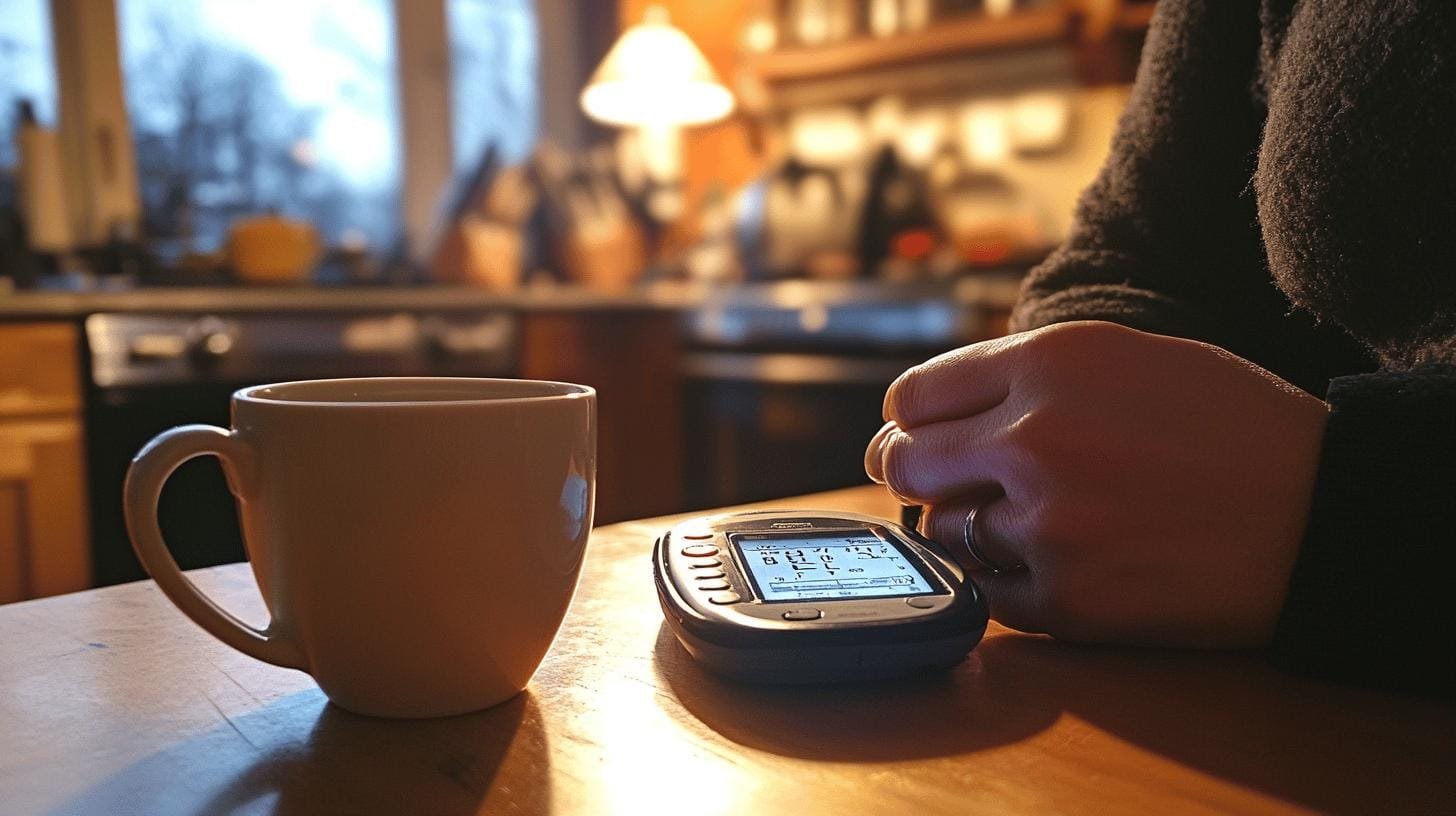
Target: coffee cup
{"type": "Point", "coordinates": [416, 540]}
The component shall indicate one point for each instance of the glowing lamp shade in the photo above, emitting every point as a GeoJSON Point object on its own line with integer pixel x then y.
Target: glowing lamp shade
{"type": "Point", "coordinates": [655, 75]}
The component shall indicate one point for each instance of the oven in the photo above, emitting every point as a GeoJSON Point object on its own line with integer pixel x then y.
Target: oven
{"type": "Point", "coordinates": [150, 372]}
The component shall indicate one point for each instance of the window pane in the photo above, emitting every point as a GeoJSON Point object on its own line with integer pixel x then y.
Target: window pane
{"type": "Point", "coordinates": [27, 71]}
{"type": "Point", "coordinates": [493, 87]}
{"type": "Point", "coordinates": [243, 107]}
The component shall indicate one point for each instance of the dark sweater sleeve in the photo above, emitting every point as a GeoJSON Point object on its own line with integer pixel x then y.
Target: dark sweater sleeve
{"type": "Point", "coordinates": [1166, 239]}
{"type": "Point", "coordinates": [1371, 599]}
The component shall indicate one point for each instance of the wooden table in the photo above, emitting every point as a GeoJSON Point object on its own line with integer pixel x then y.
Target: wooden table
{"type": "Point", "coordinates": [112, 703]}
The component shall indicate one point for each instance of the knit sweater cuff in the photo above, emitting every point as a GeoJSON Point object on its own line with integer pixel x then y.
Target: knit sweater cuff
{"type": "Point", "coordinates": [1370, 599]}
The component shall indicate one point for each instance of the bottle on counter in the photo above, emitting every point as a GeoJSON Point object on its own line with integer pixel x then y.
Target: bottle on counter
{"type": "Point", "coordinates": [40, 198]}
{"type": "Point", "coordinates": [898, 230]}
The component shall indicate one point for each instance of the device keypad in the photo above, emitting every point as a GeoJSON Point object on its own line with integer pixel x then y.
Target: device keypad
{"type": "Point", "coordinates": [724, 598]}
{"type": "Point", "coordinates": [804, 614]}
{"type": "Point", "coordinates": [700, 551]}
{"type": "Point", "coordinates": [922, 602]}
{"type": "Point", "coordinates": [709, 575]}
{"type": "Point", "coordinates": [714, 585]}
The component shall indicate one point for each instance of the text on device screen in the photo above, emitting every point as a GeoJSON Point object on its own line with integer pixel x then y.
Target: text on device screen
{"type": "Point", "coordinates": [842, 564]}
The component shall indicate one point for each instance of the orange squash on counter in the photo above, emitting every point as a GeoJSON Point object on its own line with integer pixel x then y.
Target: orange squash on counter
{"type": "Point", "coordinates": [272, 249]}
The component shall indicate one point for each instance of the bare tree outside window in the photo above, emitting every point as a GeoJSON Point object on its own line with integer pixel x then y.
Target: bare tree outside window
{"type": "Point", "coordinates": [493, 71]}
{"type": "Point", "coordinates": [243, 108]}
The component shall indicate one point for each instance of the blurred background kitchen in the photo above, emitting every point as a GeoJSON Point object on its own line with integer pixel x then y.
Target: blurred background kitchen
{"type": "Point", "coordinates": [739, 220]}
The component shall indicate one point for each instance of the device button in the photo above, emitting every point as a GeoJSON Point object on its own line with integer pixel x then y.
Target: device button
{"type": "Point", "coordinates": [725, 598]}
{"type": "Point", "coordinates": [698, 536]}
{"type": "Point", "coordinates": [704, 565]}
{"type": "Point", "coordinates": [700, 550]}
{"type": "Point", "coordinates": [708, 575]}
{"type": "Point", "coordinates": [921, 603]}
{"type": "Point", "coordinates": [712, 585]}
{"type": "Point", "coordinates": [803, 614]}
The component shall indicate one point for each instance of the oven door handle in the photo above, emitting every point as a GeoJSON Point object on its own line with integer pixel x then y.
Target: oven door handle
{"type": "Point", "coordinates": [144, 481]}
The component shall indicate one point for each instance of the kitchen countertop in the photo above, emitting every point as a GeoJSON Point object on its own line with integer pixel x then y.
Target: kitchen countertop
{"type": "Point", "coordinates": [994, 292]}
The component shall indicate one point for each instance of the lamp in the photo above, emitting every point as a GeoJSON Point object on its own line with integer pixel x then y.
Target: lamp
{"type": "Point", "coordinates": [655, 81]}
{"type": "Point", "coordinates": [655, 76]}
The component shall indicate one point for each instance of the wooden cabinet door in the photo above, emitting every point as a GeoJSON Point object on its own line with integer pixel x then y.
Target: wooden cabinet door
{"type": "Point", "coordinates": [45, 546]}
{"type": "Point", "coordinates": [44, 534]}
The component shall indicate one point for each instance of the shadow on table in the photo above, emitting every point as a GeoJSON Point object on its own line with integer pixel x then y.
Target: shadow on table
{"type": "Point", "coordinates": [1233, 716]}
{"type": "Point", "coordinates": [1228, 715]}
{"type": "Point", "coordinates": [301, 755]}
{"type": "Point", "coordinates": [974, 707]}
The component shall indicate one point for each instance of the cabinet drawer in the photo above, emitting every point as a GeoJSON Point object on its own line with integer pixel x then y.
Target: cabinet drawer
{"type": "Point", "coordinates": [39, 369]}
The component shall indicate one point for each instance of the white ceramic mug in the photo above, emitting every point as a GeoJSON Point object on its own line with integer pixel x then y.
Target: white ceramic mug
{"type": "Point", "coordinates": [416, 540]}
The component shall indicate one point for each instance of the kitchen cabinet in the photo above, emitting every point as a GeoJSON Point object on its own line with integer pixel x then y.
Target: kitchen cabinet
{"type": "Point", "coordinates": [44, 530]}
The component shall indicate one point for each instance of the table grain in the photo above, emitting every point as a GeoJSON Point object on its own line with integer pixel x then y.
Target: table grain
{"type": "Point", "coordinates": [112, 703]}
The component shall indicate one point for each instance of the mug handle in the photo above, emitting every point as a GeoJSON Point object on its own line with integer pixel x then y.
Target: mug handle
{"type": "Point", "coordinates": [145, 478]}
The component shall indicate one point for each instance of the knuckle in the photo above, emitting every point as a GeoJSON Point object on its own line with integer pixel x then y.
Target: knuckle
{"type": "Point", "coordinates": [1070, 348]}
{"type": "Point", "coordinates": [1031, 429]}
{"type": "Point", "coordinates": [1055, 336]}
{"type": "Point", "coordinates": [1083, 332]}
{"type": "Point", "coordinates": [1039, 435]}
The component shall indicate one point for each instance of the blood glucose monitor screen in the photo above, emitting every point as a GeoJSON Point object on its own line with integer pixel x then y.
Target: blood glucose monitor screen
{"type": "Point", "coordinates": [843, 564]}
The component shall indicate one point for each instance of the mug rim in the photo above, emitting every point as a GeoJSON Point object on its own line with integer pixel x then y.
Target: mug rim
{"type": "Point", "coordinates": [566, 391]}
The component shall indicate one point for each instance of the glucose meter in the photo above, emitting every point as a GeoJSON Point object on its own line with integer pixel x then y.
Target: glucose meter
{"type": "Point", "coordinates": [808, 597]}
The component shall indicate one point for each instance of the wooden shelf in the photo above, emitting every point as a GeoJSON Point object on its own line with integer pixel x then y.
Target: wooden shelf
{"type": "Point", "coordinates": [975, 34]}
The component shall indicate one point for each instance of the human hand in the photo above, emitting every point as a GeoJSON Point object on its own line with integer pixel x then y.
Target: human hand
{"type": "Point", "coordinates": [1155, 489]}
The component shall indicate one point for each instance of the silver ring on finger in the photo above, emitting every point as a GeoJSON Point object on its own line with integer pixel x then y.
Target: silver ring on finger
{"type": "Point", "coordinates": [968, 535]}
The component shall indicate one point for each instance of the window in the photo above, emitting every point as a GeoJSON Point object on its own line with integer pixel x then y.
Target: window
{"type": "Point", "coordinates": [493, 78]}
{"type": "Point", "coordinates": [27, 72]}
{"type": "Point", "coordinates": [240, 108]}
